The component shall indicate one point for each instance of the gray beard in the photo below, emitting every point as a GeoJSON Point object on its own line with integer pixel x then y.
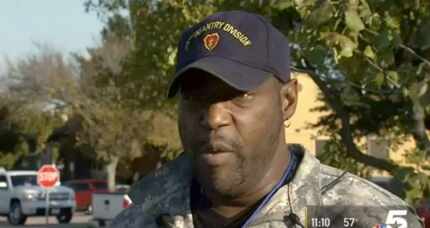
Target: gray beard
{"type": "Point", "coordinates": [225, 183]}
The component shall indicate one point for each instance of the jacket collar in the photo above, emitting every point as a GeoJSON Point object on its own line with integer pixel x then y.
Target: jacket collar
{"type": "Point", "coordinates": [302, 191]}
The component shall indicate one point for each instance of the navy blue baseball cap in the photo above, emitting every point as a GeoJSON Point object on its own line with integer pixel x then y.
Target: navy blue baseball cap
{"type": "Point", "coordinates": [242, 49]}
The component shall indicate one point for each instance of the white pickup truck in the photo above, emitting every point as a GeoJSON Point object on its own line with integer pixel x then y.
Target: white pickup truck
{"type": "Point", "coordinates": [20, 197]}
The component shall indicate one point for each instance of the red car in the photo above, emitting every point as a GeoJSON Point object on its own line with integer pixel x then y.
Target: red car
{"type": "Point", "coordinates": [84, 189]}
{"type": "Point", "coordinates": [423, 210]}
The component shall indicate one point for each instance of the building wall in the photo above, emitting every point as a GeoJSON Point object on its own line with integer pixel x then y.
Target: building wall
{"type": "Point", "coordinates": [298, 130]}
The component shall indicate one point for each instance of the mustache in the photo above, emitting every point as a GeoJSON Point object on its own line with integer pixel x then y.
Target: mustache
{"type": "Point", "coordinates": [220, 144]}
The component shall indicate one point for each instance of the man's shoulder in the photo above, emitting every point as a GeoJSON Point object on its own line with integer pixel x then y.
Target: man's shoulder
{"type": "Point", "coordinates": [360, 197]}
{"type": "Point", "coordinates": [338, 187]}
{"type": "Point", "coordinates": [130, 218]}
{"type": "Point", "coordinates": [343, 188]}
{"type": "Point", "coordinates": [163, 182]}
{"type": "Point", "coordinates": [163, 192]}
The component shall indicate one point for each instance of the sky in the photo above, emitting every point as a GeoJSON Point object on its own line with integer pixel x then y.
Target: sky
{"type": "Point", "coordinates": [62, 24]}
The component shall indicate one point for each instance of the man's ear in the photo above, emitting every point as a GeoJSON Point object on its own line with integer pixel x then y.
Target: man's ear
{"type": "Point", "coordinates": [289, 98]}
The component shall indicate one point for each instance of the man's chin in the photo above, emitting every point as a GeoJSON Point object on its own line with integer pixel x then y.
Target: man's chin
{"type": "Point", "coordinates": [220, 182]}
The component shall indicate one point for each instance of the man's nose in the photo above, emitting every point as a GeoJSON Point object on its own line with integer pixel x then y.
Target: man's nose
{"type": "Point", "coordinates": [216, 115]}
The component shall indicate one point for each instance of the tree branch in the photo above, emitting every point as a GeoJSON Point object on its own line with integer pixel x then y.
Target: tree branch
{"type": "Point", "coordinates": [411, 51]}
{"type": "Point", "coordinates": [419, 131]}
{"type": "Point", "coordinates": [346, 133]}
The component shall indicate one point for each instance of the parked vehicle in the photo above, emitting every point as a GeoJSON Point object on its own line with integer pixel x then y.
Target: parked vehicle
{"type": "Point", "coordinates": [21, 197]}
{"type": "Point", "coordinates": [107, 205]}
{"type": "Point", "coordinates": [122, 188]}
{"type": "Point", "coordinates": [84, 189]}
{"type": "Point", "coordinates": [423, 210]}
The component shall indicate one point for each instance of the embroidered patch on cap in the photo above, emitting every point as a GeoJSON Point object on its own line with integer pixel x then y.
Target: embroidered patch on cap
{"type": "Point", "coordinates": [211, 40]}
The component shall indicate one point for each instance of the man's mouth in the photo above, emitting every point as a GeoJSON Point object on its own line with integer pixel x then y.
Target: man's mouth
{"type": "Point", "coordinates": [215, 159]}
{"type": "Point", "coordinates": [217, 147]}
{"type": "Point", "coordinates": [216, 154]}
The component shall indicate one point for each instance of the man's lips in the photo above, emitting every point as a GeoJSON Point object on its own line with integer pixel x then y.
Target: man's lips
{"type": "Point", "coordinates": [215, 159]}
{"type": "Point", "coordinates": [216, 154]}
{"type": "Point", "coordinates": [217, 147]}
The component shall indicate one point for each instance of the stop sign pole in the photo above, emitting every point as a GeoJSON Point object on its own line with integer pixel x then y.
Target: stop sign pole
{"type": "Point", "coordinates": [47, 177]}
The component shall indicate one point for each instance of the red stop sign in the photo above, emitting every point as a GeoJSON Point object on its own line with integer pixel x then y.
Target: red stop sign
{"type": "Point", "coordinates": [48, 176]}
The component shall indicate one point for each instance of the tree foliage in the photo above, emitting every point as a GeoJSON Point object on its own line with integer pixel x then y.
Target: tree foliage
{"type": "Point", "coordinates": [371, 62]}
{"type": "Point", "coordinates": [30, 105]}
{"type": "Point", "coordinates": [108, 123]}
{"type": "Point", "coordinates": [370, 58]}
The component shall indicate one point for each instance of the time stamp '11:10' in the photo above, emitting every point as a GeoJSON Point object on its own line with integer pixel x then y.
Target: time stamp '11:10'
{"type": "Point", "coordinates": [325, 222]}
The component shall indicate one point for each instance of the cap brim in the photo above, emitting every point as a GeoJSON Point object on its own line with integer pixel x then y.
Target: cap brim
{"type": "Point", "coordinates": [235, 74]}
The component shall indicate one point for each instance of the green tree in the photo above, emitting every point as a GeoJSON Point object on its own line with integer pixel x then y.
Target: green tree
{"type": "Point", "coordinates": [108, 123]}
{"type": "Point", "coordinates": [370, 59]}
{"type": "Point", "coordinates": [31, 103]}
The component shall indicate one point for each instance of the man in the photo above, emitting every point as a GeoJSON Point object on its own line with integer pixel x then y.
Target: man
{"type": "Point", "coordinates": [235, 93]}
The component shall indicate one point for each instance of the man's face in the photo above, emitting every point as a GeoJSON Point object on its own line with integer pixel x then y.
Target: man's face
{"type": "Point", "coordinates": [232, 135]}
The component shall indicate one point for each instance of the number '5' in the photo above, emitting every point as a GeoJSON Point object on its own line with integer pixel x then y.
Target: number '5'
{"type": "Point", "coordinates": [395, 217]}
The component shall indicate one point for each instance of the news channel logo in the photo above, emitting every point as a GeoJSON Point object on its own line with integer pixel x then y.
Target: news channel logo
{"type": "Point", "coordinates": [395, 218]}
{"type": "Point", "coordinates": [358, 217]}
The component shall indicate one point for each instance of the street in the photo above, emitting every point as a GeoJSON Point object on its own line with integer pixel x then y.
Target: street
{"type": "Point", "coordinates": [80, 220]}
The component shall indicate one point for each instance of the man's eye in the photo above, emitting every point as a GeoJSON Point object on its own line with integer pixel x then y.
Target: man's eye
{"type": "Point", "coordinates": [245, 97]}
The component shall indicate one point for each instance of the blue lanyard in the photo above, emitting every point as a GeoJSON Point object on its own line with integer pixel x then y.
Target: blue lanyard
{"type": "Point", "coordinates": [292, 165]}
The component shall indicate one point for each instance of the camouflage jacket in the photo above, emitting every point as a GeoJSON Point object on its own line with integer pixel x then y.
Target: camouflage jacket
{"type": "Point", "coordinates": [163, 199]}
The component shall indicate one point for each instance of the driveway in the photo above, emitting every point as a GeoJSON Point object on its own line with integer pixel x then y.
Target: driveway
{"type": "Point", "coordinates": [80, 220]}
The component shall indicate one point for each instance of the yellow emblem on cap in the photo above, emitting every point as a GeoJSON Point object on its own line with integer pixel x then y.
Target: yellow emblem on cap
{"type": "Point", "coordinates": [210, 41]}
